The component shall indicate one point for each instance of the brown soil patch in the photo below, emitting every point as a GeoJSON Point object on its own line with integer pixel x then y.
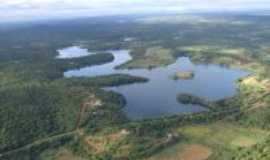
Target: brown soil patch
{"type": "Point", "coordinates": [254, 82]}
{"type": "Point", "coordinates": [123, 152]}
{"type": "Point", "coordinates": [258, 105]}
{"type": "Point", "coordinates": [99, 144]}
{"type": "Point", "coordinates": [85, 107]}
{"type": "Point", "coordinates": [195, 152]}
{"type": "Point", "coordinates": [244, 142]}
{"type": "Point", "coordinates": [67, 155]}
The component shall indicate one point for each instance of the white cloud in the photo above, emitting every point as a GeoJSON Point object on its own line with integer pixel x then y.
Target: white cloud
{"type": "Point", "coordinates": [99, 4]}
{"type": "Point", "coordinates": [23, 9]}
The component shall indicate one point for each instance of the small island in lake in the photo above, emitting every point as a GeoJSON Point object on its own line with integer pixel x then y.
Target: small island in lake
{"type": "Point", "coordinates": [186, 98]}
{"type": "Point", "coordinates": [184, 75]}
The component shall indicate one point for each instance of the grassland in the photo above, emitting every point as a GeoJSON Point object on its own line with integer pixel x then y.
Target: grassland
{"type": "Point", "coordinates": [207, 140]}
{"type": "Point", "coordinates": [152, 58]}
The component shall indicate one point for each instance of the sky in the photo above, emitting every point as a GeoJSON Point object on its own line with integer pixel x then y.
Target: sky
{"type": "Point", "coordinates": [18, 10]}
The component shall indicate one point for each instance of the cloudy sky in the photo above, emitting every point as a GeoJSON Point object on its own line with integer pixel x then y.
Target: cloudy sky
{"type": "Point", "coordinates": [15, 10]}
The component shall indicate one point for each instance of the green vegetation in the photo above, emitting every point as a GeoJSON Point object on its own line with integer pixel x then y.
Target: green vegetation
{"type": "Point", "coordinates": [220, 140]}
{"type": "Point", "coordinates": [258, 151]}
{"type": "Point", "coordinates": [28, 70]}
{"type": "Point", "coordinates": [191, 99]}
{"type": "Point", "coordinates": [102, 81]}
{"type": "Point", "coordinates": [30, 112]}
{"type": "Point", "coordinates": [44, 115]}
{"type": "Point", "coordinates": [153, 57]}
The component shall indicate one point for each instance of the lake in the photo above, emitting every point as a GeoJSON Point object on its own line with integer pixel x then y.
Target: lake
{"type": "Point", "coordinates": [157, 97]}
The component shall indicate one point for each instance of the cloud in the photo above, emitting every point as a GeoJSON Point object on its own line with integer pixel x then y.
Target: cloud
{"type": "Point", "coordinates": [27, 9]}
{"type": "Point", "coordinates": [99, 4]}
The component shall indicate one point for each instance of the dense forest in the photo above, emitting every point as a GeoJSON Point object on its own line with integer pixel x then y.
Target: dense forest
{"type": "Point", "coordinates": [47, 116]}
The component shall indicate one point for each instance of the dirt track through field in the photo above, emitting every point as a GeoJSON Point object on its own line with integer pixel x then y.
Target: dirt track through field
{"type": "Point", "coordinates": [51, 138]}
{"type": "Point", "coordinates": [80, 116]}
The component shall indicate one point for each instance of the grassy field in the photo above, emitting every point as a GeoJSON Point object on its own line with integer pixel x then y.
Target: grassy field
{"type": "Point", "coordinates": [225, 134]}
{"type": "Point", "coordinates": [185, 152]}
{"type": "Point", "coordinates": [203, 142]}
{"type": "Point", "coordinates": [153, 57]}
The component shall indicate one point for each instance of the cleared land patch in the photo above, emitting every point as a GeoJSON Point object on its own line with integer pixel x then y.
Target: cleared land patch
{"type": "Point", "coordinates": [195, 152]}
{"type": "Point", "coordinates": [184, 152]}
{"type": "Point", "coordinates": [153, 57]}
{"type": "Point", "coordinates": [224, 134]}
{"type": "Point", "coordinates": [67, 155]}
{"type": "Point", "coordinates": [252, 81]}
{"type": "Point", "coordinates": [202, 141]}
{"type": "Point", "coordinates": [102, 144]}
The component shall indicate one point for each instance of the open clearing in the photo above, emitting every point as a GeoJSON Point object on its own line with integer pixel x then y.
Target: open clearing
{"type": "Point", "coordinates": [202, 140]}
{"type": "Point", "coordinates": [184, 152]}
{"type": "Point", "coordinates": [101, 144]}
{"type": "Point", "coordinates": [66, 155]}
{"type": "Point", "coordinates": [195, 152]}
{"type": "Point", "coordinates": [154, 57]}
{"type": "Point", "coordinates": [224, 134]}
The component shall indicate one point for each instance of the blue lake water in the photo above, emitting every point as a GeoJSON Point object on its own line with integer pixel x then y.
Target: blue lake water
{"type": "Point", "coordinates": [157, 97]}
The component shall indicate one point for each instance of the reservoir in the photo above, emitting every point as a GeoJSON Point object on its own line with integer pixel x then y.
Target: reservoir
{"type": "Point", "coordinates": [157, 97]}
